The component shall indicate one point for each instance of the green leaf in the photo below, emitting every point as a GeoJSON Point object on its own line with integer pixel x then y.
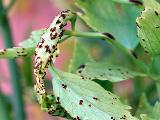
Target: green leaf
{"type": "Point", "coordinates": [104, 71]}
{"type": "Point", "coordinates": [86, 99]}
{"type": "Point", "coordinates": [109, 16]}
{"type": "Point", "coordinates": [148, 25]}
{"type": "Point", "coordinates": [148, 112]}
{"type": "Point", "coordinates": [80, 56]}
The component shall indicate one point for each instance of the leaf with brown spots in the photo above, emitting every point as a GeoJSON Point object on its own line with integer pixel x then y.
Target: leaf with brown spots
{"type": "Point", "coordinates": [104, 71]}
{"type": "Point", "coordinates": [148, 27]}
{"type": "Point", "coordinates": [86, 99]}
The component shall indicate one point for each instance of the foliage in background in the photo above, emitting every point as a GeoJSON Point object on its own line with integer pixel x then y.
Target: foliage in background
{"type": "Point", "coordinates": [114, 22]}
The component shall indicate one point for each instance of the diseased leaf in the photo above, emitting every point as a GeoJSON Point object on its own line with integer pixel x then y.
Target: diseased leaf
{"type": "Point", "coordinates": [112, 17]}
{"type": "Point", "coordinates": [80, 56]}
{"type": "Point", "coordinates": [86, 100]}
{"type": "Point", "coordinates": [104, 71]}
{"type": "Point", "coordinates": [148, 25]}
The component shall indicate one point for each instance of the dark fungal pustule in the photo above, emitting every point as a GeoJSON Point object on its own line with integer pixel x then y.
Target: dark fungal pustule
{"type": "Point", "coordinates": [58, 99]}
{"type": "Point", "coordinates": [138, 25]}
{"type": "Point", "coordinates": [53, 29]}
{"type": "Point", "coordinates": [47, 49]}
{"type": "Point", "coordinates": [109, 35]}
{"type": "Point", "coordinates": [64, 86]}
{"type": "Point", "coordinates": [61, 34]}
{"type": "Point", "coordinates": [95, 98]}
{"type": "Point", "coordinates": [112, 118]}
{"type": "Point", "coordinates": [136, 2]}
{"type": "Point", "coordinates": [61, 26]}
{"type": "Point", "coordinates": [58, 21]}
{"type": "Point", "coordinates": [156, 13]}
{"type": "Point", "coordinates": [81, 66]}
{"type": "Point", "coordinates": [89, 105]}
{"type": "Point", "coordinates": [114, 98]}
{"type": "Point", "coordinates": [134, 54]}
{"type": "Point", "coordinates": [63, 16]}
{"type": "Point", "coordinates": [82, 77]}
{"type": "Point", "coordinates": [80, 102]}
{"type": "Point", "coordinates": [143, 40]}
{"type": "Point", "coordinates": [123, 117]}
{"type": "Point", "coordinates": [79, 71]}
{"type": "Point", "coordinates": [76, 118]}
{"type": "Point", "coordinates": [40, 46]}
{"type": "Point", "coordinates": [53, 36]}
{"type": "Point", "coordinates": [157, 26]}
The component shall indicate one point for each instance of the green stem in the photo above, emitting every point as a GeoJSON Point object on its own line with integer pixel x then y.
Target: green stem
{"type": "Point", "coordinates": [158, 88]}
{"type": "Point", "coordinates": [16, 86]}
{"type": "Point", "coordinates": [27, 71]}
{"type": "Point", "coordinates": [111, 41]}
{"type": "Point", "coordinates": [4, 110]}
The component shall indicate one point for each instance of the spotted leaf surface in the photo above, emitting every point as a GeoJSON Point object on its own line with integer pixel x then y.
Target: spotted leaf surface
{"type": "Point", "coordinates": [86, 100]}
{"type": "Point", "coordinates": [112, 17]}
{"type": "Point", "coordinates": [148, 26]}
{"type": "Point", "coordinates": [103, 71]}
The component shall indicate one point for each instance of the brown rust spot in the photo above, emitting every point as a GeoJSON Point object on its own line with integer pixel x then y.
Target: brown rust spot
{"type": "Point", "coordinates": [95, 98]}
{"type": "Point", "coordinates": [80, 102]}
{"type": "Point", "coordinates": [64, 86]}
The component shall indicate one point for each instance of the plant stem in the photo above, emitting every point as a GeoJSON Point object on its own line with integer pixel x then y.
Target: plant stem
{"type": "Point", "coordinates": [16, 85]}
{"type": "Point", "coordinates": [4, 110]}
{"type": "Point", "coordinates": [111, 41]}
{"type": "Point", "coordinates": [27, 71]}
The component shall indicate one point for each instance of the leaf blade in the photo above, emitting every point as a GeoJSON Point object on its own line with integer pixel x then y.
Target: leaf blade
{"type": "Point", "coordinates": [104, 71]}
{"type": "Point", "coordinates": [89, 104]}
{"type": "Point", "coordinates": [117, 19]}
{"type": "Point", "coordinates": [148, 27]}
